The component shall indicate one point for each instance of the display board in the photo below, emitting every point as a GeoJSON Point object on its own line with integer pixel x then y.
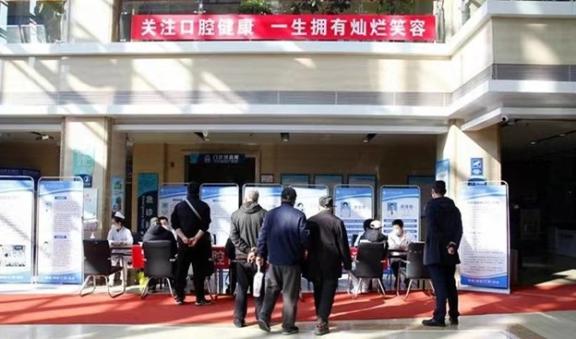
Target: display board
{"type": "Point", "coordinates": [223, 200]}
{"type": "Point", "coordinates": [269, 194]}
{"type": "Point", "coordinates": [353, 204]}
{"type": "Point", "coordinates": [59, 232]}
{"type": "Point", "coordinates": [401, 202]}
{"type": "Point", "coordinates": [308, 197]}
{"type": "Point", "coordinates": [484, 249]}
{"type": "Point", "coordinates": [169, 196]}
{"type": "Point", "coordinates": [147, 199]}
{"type": "Point", "coordinates": [16, 225]}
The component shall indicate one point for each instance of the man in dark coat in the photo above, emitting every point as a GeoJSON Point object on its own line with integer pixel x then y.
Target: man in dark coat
{"type": "Point", "coordinates": [443, 237]}
{"type": "Point", "coordinates": [190, 220]}
{"type": "Point", "coordinates": [282, 242]}
{"type": "Point", "coordinates": [328, 251]}
{"type": "Point", "coordinates": [246, 224]}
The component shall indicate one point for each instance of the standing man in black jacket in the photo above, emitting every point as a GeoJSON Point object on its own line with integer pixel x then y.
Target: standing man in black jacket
{"type": "Point", "coordinates": [328, 251]}
{"type": "Point", "coordinates": [443, 237]}
{"type": "Point", "coordinates": [282, 242]}
{"type": "Point", "coordinates": [246, 224]}
{"type": "Point", "coordinates": [190, 220]}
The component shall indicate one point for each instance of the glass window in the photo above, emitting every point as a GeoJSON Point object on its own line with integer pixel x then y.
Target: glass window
{"type": "Point", "coordinates": [32, 21]}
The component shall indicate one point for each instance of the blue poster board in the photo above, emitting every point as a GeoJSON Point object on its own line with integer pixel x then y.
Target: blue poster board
{"type": "Point", "coordinates": [269, 194]}
{"type": "Point", "coordinates": [401, 202]}
{"type": "Point", "coordinates": [223, 200]}
{"type": "Point", "coordinates": [169, 196]}
{"type": "Point", "coordinates": [353, 204]}
{"type": "Point", "coordinates": [147, 200]}
{"type": "Point", "coordinates": [16, 224]}
{"type": "Point", "coordinates": [484, 249]}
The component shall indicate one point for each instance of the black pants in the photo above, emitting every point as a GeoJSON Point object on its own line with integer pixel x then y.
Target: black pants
{"type": "Point", "coordinates": [445, 289]}
{"type": "Point", "coordinates": [395, 265]}
{"type": "Point", "coordinates": [199, 259]}
{"type": "Point", "coordinates": [232, 277]}
{"type": "Point", "coordinates": [324, 291]}
{"type": "Point", "coordinates": [245, 277]}
{"type": "Point", "coordinates": [285, 279]}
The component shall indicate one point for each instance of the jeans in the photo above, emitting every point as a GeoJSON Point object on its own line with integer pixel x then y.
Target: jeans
{"type": "Point", "coordinates": [445, 289]}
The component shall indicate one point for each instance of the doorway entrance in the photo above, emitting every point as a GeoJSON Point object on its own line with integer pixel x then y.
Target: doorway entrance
{"type": "Point", "coordinates": [220, 168]}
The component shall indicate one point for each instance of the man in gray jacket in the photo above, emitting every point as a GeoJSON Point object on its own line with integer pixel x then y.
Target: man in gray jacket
{"type": "Point", "coordinates": [246, 224]}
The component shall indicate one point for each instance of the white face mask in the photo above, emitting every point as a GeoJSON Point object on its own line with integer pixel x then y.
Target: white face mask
{"type": "Point", "coordinates": [398, 232]}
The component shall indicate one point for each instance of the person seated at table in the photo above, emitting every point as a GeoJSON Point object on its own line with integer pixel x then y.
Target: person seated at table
{"type": "Point", "coordinates": [373, 235]}
{"type": "Point", "coordinates": [120, 240]}
{"type": "Point", "coordinates": [366, 226]}
{"type": "Point", "coordinates": [398, 240]}
{"type": "Point", "coordinates": [160, 230]}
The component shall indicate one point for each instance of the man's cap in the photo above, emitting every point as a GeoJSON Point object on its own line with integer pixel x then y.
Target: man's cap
{"type": "Point", "coordinates": [288, 193]}
{"type": "Point", "coordinates": [376, 224]}
{"type": "Point", "coordinates": [326, 201]}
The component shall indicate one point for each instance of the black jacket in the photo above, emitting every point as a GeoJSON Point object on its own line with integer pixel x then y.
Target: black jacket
{"type": "Point", "coordinates": [183, 218]}
{"type": "Point", "coordinates": [374, 235]}
{"type": "Point", "coordinates": [444, 227]}
{"type": "Point", "coordinates": [157, 232]}
{"type": "Point", "coordinates": [246, 224]}
{"type": "Point", "coordinates": [329, 248]}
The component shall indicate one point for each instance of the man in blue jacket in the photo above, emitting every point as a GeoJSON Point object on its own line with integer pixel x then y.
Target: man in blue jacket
{"type": "Point", "coordinates": [443, 237]}
{"type": "Point", "coordinates": [282, 242]}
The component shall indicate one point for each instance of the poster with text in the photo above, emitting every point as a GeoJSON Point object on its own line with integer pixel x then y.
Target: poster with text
{"type": "Point", "coordinates": [269, 194]}
{"type": "Point", "coordinates": [401, 202]}
{"type": "Point", "coordinates": [117, 200]}
{"type": "Point", "coordinates": [484, 247]}
{"type": "Point", "coordinates": [147, 200]}
{"type": "Point", "coordinates": [16, 223]}
{"type": "Point", "coordinates": [170, 195]}
{"type": "Point", "coordinates": [308, 197]}
{"type": "Point", "coordinates": [223, 200]}
{"type": "Point", "coordinates": [59, 241]}
{"type": "Point", "coordinates": [353, 204]}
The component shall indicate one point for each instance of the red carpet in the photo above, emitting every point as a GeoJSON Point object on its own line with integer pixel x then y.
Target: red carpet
{"type": "Point", "coordinates": [160, 309]}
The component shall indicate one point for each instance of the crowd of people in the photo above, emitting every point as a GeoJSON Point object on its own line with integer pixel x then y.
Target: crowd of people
{"type": "Point", "coordinates": [274, 249]}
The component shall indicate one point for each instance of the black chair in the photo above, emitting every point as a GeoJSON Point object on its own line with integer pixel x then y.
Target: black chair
{"type": "Point", "coordinates": [415, 269]}
{"type": "Point", "coordinates": [157, 263]}
{"type": "Point", "coordinates": [97, 263]}
{"type": "Point", "coordinates": [369, 262]}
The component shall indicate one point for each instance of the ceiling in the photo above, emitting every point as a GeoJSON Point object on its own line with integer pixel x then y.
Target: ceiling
{"type": "Point", "coordinates": [533, 139]}
{"type": "Point", "coordinates": [29, 137]}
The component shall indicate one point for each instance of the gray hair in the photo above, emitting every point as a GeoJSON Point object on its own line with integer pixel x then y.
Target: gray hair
{"type": "Point", "coordinates": [252, 196]}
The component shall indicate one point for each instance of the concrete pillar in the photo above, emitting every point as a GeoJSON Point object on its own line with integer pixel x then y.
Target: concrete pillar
{"type": "Point", "coordinates": [460, 147]}
{"type": "Point", "coordinates": [85, 150]}
{"type": "Point", "coordinates": [91, 21]}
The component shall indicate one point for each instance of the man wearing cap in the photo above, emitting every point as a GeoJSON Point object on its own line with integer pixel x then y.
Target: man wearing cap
{"type": "Point", "coordinates": [282, 242]}
{"type": "Point", "coordinates": [443, 237]}
{"type": "Point", "coordinates": [190, 220]}
{"type": "Point", "coordinates": [120, 240]}
{"type": "Point", "coordinates": [328, 251]}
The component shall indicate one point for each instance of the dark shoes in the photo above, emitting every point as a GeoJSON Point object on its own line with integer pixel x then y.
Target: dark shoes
{"type": "Point", "coordinates": [202, 302]}
{"type": "Point", "coordinates": [264, 326]}
{"type": "Point", "coordinates": [179, 301]}
{"type": "Point", "coordinates": [322, 328]}
{"type": "Point", "coordinates": [433, 323]}
{"type": "Point", "coordinates": [239, 323]}
{"type": "Point", "coordinates": [454, 321]}
{"type": "Point", "coordinates": [290, 330]}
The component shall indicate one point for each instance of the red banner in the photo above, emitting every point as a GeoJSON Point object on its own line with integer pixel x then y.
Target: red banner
{"type": "Point", "coordinates": [284, 27]}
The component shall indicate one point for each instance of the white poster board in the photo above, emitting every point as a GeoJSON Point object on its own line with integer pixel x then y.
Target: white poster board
{"type": "Point", "coordinates": [223, 200]}
{"type": "Point", "coordinates": [353, 204]}
{"type": "Point", "coordinates": [59, 233]}
{"type": "Point", "coordinates": [16, 224]}
{"type": "Point", "coordinates": [269, 194]}
{"type": "Point", "coordinates": [484, 249]}
{"type": "Point", "coordinates": [169, 196]}
{"type": "Point", "coordinates": [308, 197]}
{"type": "Point", "coordinates": [401, 202]}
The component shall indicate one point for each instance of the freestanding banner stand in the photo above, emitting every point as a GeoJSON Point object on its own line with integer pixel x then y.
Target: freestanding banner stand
{"type": "Point", "coordinates": [59, 247]}
{"type": "Point", "coordinates": [353, 204]}
{"type": "Point", "coordinates": [169, 196]}
{"type": "Point", "coordinates": [269, 194]}
{"type": "Point", "coordinates": [308, 198]}
{"type": "Point", "coordinates": [223, 200]}
{"type": "Point", "coordinates": [16, 227]}
{"type": "Point", "coordinates": [485, 247]}
{"type": "Point", "coordinates": [401, 202]}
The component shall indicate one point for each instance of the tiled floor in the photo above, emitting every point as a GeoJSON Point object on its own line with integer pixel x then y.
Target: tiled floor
{"type": "Point", "coordinates": [534, 325]}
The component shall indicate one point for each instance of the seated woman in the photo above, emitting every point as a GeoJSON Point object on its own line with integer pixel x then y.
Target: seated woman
{"type": "Point", "coordinates": [372, 234]}
{"type": "Point", "coordinates": [398, 240]}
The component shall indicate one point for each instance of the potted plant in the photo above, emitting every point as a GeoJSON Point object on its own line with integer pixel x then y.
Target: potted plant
{"type": "Point", "coordinates": [255, 7]}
